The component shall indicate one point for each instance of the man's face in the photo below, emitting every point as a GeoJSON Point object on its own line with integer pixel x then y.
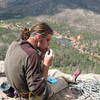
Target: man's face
{"type": "Point", "coordinates": [43, 42]}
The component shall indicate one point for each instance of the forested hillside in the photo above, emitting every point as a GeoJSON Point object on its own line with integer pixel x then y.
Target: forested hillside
{"type": "Point", "coordinates": [76, 24]}
{"type": "Point", "coordinates": [73, 48]}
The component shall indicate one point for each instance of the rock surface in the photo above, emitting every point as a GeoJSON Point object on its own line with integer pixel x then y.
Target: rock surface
{"type": "Point", "coordinates": [65, 94]}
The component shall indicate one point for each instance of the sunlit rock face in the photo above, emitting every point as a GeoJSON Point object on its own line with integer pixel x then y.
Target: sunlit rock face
{"type": "Point", "coordinates": [2, 67]}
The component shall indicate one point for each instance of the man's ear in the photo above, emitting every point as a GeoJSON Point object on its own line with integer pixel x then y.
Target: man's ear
{"type": "Point", "coordinates": [39, 39]}
{"type": "Point", "coordinates": [38, 36]}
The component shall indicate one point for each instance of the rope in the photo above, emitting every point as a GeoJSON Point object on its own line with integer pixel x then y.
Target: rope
{"type": "Point", "coordinates": [29, 95]}
{"type": "Point", "coordinates": [26, 93]}
{"type": "Point", "coordinates": [89, 89]}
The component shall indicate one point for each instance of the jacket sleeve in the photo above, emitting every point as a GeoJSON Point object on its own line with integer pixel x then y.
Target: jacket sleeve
{"type": "Point", "coordinates": [35, 80]}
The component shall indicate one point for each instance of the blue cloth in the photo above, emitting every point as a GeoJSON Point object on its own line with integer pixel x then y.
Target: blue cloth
{"type": "Point", "coordinates": [52, 79]}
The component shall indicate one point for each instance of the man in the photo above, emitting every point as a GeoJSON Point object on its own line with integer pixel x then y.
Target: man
{"type": "Point", "coordinates": [27, 62]}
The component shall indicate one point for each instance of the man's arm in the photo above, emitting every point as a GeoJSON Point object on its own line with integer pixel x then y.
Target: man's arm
{"type": "Point", "coordinates": [45, 71]}
{"type": "Point", "coordinates": [48, 58]}
{"type": "Point", "coordinates": [35, 80]}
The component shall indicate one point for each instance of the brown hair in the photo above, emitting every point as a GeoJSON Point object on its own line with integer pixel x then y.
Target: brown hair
{"type": "Point", "coordinates": [41, 28]}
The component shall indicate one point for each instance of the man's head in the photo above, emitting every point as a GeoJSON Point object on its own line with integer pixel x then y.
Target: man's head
{"type": "Point", "coordinates": [39, 35]}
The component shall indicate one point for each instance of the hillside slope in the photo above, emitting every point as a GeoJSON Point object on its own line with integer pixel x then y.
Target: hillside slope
{"type": "Point", "coordinates": [80, 14]}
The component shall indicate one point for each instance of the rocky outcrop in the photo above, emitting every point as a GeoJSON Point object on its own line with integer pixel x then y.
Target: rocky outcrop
{"type": "Point", "coordinates": [68, 93]}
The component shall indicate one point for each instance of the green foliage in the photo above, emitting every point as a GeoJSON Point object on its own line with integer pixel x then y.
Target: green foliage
{"type": "Point", "coordinates": [8, 35]}
{"type": "Point", "coordinates": [68, 59]}
{"type": "Point", "coordinates": [3, 50]}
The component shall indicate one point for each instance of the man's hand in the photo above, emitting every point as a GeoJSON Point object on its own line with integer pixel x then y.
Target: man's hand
{"type": "Point", "coordinates": [48, 58]}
